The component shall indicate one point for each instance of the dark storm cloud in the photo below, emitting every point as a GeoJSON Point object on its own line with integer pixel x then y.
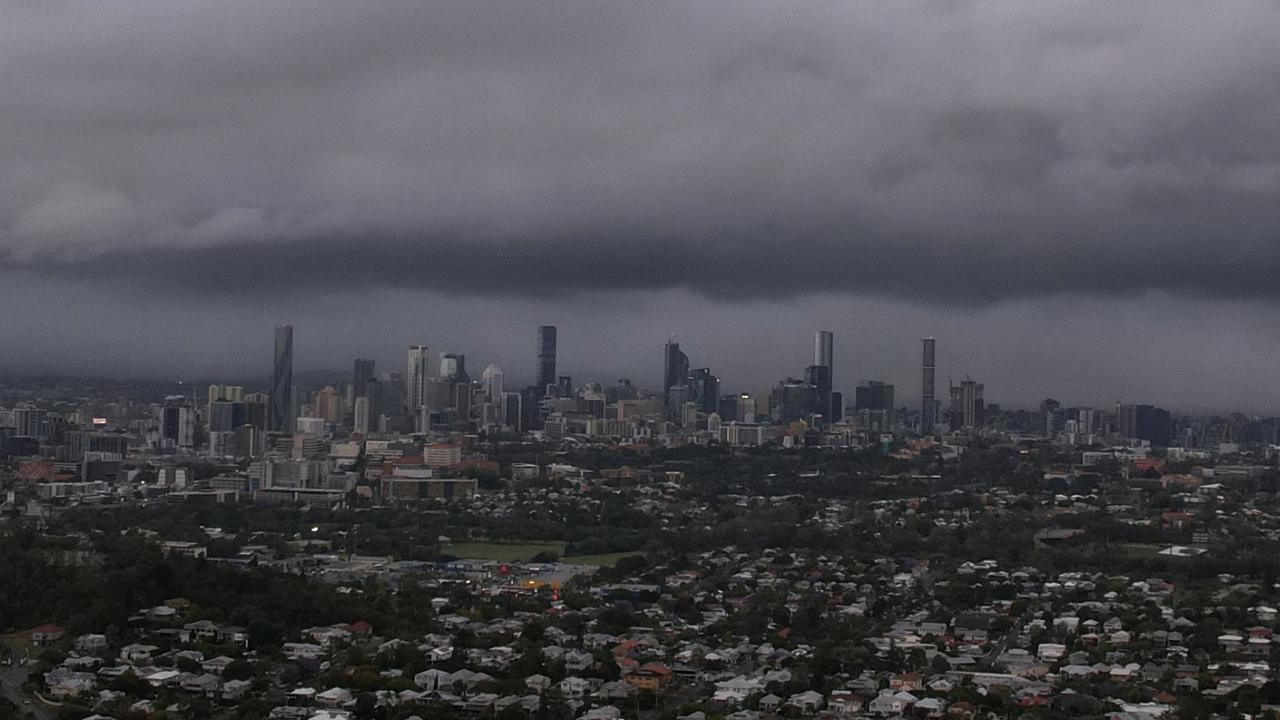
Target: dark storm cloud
{"type": "Point", "coordinates": [971, 151]}
{"type": "Point", "coordinates": [732, 268]}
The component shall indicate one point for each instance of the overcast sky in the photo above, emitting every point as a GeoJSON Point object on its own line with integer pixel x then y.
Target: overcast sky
{"type": "Point", "coordinates": [1080, 200]}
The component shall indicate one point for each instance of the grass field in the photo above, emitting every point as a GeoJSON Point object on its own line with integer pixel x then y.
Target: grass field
{"type": "Point", "coordinates": [520, 552]}
{"type": "Point", "coordinates": [501, 552]}
{"type": "Point", "coordinates": [603, 559]}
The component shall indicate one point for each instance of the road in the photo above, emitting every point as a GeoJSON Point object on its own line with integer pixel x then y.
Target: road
{"type": "Point", "coordinates": [11, 679]}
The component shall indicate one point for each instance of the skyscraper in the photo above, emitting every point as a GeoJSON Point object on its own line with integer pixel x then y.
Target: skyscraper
{"type": "Point", "coordinates": [421, 369]}
{"type": "Point", "coordinates": [361, 374]}
{"type": "Point", "coordinates": [325, 404]}
{"type": "Point", "coordinates": [675, 371]}
{"type": "Point", "coordinates": [546, 356]}
{"type": "Point", "coordinates": [928, 406]}
{"type": "Point", "coordinates": [967, 406]}
{"type": "Point", "coordinates": [822, 372]}
{"type": "Point", "coordinates": [491, 378]}
{"type": "Point", "coordinates": [823, 348]}
{"type": "Point", "coordinates": [793, 399]}
{"type": "Point", "coordinates": [819, 376]}
{"type": "Point", "coordinates": [704, 389]}
{"type": "Point", "coordinates": [1145, 422]}
{"type": "Point", "coordinates": [873, 395]}
{"type": "Point", "coordinates": [453, 366]}
{"type": "Point", "coordinates": [280, 410]}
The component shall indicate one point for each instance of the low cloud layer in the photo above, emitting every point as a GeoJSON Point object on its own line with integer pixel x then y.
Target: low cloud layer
{"type": "Point", "coordinates": [968, 152]}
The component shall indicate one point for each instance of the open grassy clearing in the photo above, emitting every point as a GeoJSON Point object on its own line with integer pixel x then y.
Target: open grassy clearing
{"type": "Point", "coordinates": [522, 552]}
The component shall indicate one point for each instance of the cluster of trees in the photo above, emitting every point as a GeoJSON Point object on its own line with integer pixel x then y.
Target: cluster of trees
{"type": "Point", "coordinates": [124, 573]}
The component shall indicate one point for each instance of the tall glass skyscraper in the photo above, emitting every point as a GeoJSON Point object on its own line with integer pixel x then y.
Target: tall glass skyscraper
{"type": "Point", "coordinates": [278, 413]}
{"type": "Point", "coordinates": [824, 348]}
{"type": "Point", "coordinates": [675, 374]}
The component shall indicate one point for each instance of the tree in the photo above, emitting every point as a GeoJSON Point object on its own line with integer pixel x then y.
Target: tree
{"type": "Point", "coordinates": [238, 670]}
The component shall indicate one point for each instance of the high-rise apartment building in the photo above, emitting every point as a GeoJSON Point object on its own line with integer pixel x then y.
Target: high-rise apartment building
{"type": "Point", "coordinates": [546, 374]}
{"type": "Point", "coordinates": [822, 373]}
{"type": "Point", "coordinates": [360, 413]}
{"type": "Point", "coordinates": [967, 405]}
{"type": "Point", "coordinates": [422, 367]}
{"type": "Point", "coordinates": [928, 403]}
{"type": "Point", "coordinates": [326, 404]}
{"type": "Point", "coordinates": [280, 411]}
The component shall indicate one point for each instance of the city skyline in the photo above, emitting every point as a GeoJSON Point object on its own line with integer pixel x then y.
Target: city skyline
{"type": "Point", "coordinates": [791, 357]}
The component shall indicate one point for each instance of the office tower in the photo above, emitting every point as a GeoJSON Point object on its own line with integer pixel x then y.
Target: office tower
{"type": "Point", "coordinates": [438, 395]}
{"type": "Point", "coordinates": [793, 399]}
{"type": "Point", "coordinates": [546, 357]}
{"type": "Point", "coordinates": [928, 405]}
{"type": "Point", "coordinates": [491, 379]}
{"type": "Point", "coordinates": [675, 372]}
{"type": "Point", "coordinates": [461, 399]}
{"type": "Point", "coordinates": [510, 415]}
{"type": "Point", "coordinates": [225, 416]}
{"type": "Point", "coordinates": [280, 412]}
{"type": "Point", "coordinates": [689, 415]}
{"type": "Point", "coordinates": [727, 408]}
{"type": "Point", "coordinates": [677, 396]}
{"type": "Point", "coordinates": [393, 394]}
{"type": "Point", "coordinates": [746, 408]}
{"type": "Point", "coordinates": [177, 423]}
{"type": "Point", "coordinates": [564, 386]}
{"type": "Point", "coordinates": [361, 374]}
{"type": "Point", "coordinates": [873, 395]}
{"type": "Point", "coordinates": [836, 403]}
{"type": "Point", "coordinates": [421, 369]}
{"type": "Point", "coordinates": [30, 422]}
{"type": "Point", "coordinates": [819, 376]}
{"type": "Point", "coordinates": [1051, 417]}
{"type": "Point", "coordinates": [704, 389]}
{"type": "Point", "coordinates": [1086, 419]}
{"type": "Point", "coordinates": [1145, 422]}
{"type": "Point", "coordinates": [256, 409]}
{"type": "Point", "coordinates": [373, 396]}
{"type": "Point", "coordinates": [623, 390]}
